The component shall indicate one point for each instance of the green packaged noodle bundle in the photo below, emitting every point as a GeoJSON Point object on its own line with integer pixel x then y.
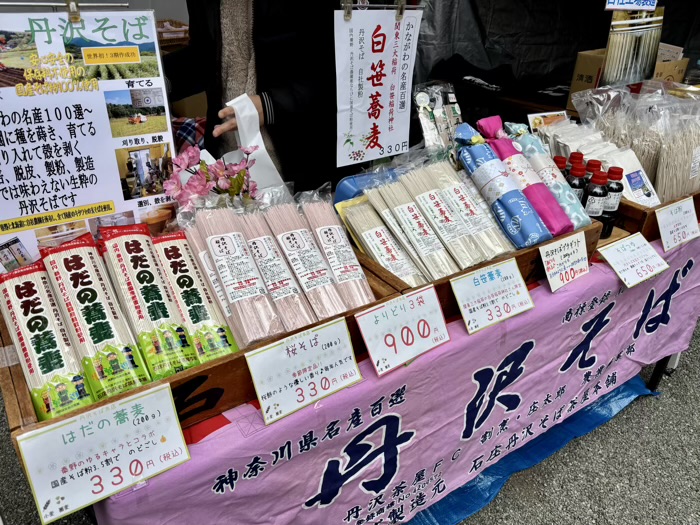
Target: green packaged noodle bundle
{"type": "Point", "coordinates": [95, 324]}
{"type": "Point", "coordinates": [147, 299]}
{"type": "Point", "coordinates": [206, 323]}
{"type": "Point", "coordinates": [53, 372]}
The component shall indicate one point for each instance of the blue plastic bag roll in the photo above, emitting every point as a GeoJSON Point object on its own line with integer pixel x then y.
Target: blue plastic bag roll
{"type": "Point", "coordinates": [516, 216]}
{"type": "Point", "coordinates": [542, 163]}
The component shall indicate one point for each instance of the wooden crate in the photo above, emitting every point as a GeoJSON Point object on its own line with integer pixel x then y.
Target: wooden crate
{"type": "Point", "coordinates": [635, 218]}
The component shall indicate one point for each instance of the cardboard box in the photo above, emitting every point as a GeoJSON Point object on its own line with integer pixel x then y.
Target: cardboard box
{"type": "Point", "coordinates": [589, 68]}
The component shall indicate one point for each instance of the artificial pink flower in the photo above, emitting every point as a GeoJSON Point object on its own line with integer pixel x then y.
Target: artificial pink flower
{"type": "Point", "coordinates": [250, 150]}
{"type": "Point", "coordinates": [251, 163]}
{"type": "Point", "coordinates": [253, 189]}
{"type": "Point", "coordinates": [193, 155]}
{"type": "Point", "coordinates": [198, 184]}
{"type": "Point", "coordinates": [184, 199]}
{"type": "Point", "coordinates": [223, 183]}
{"type": "Point", "coordinates": [173, 186]}
{"type": "Point", "coordinates": [217, 170]}
{"type": "Point", "coordinates": [235, 169]}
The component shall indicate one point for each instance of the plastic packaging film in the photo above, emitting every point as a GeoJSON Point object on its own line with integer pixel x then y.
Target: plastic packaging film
{"type": "Point", "coordinates": [51, 368]}
{"type": "Point", "coordinates": [95, 323]}
{"type": "Point", "coordinates": [253, 314]}
{"type": "Point", "coordinates": [206, 324]}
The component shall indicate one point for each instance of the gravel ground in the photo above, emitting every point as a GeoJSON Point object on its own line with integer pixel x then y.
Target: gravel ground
{"type": "Point", "coordinates": [642, 467]}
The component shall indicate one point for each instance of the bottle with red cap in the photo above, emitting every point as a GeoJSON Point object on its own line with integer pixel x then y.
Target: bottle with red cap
{"type": "Point", "coordinates": [595, 194]}
{"type": "Point", "coordinates": [575, 158]}
{"type": "Point", "coordinates": [612, 203]}
{"type": "Point", "coordinates": [560, 163]}
{"type": "Point", "coordinates": [576, 180]}
{"type": "Point", "coordinates": [591, 167]}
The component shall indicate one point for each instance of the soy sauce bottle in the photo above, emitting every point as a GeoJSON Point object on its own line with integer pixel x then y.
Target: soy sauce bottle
{"type": "Point", "coordinates": [612, 203]}
{"type": "Point", "coordinates": [560, 162]}
{"type": "Point", "coordinates": [575, 158]}
{"type": "Point", "coordinates": [595, 195]}
{"type": "Point", "coordinates": [591, 167]}
{"type": "Point", "coordinates": [576, 180]}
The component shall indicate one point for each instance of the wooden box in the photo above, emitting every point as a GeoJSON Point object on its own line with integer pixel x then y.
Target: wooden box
{"type": "Point", "coordinates": [635, 218]}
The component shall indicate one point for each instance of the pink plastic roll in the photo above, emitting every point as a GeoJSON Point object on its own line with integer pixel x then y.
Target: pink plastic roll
{"type": "Point", "coordinates": [520, 170]}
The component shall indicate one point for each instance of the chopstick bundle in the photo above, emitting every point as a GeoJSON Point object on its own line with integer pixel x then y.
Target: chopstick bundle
{"type": "Point", "coordinates": [417, 228]}
{"type": "Point", "coordinates": [210, 334]}
{"type": "Point", "coordinates": [291, 303]}
{"type": "Point", "coordinates": [253, 314]}
{"type": "Point", "coordinates": [96, 326]}
{"type": "Point", "coordinates": [350, 278]}
{"type": "Point", "coordinates": [447, 223]}
{"type": "Point", "coordinates": [380, 244]}
{"type": "Point", "coordinates": [147, 298]}
{"type": "Point", "coordinates": [51, 368]}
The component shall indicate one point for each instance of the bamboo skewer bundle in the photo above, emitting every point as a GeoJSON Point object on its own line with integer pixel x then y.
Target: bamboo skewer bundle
{"type": "Point", "coordinates": [350, 278]}
{"type": "Point", "coordinates": [447, 223]}
{"type": "Point", "coordinates": [418, 230]}
{"type": "Point", "coordinates": [98, 330]}
{"type": "Point", "coordinates": [291, 303]}
{"type": "Point", "coordinates": [51, 368]}
{"type": "Point", "coordinates": [380, 244]}
{"type": "Point", "coordinates": [253, 314]}
{"type": "Point", "coordinates": [305, 258]}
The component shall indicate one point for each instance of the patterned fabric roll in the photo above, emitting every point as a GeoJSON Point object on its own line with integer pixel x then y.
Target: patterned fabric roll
{"type": "Point", "coordinates": [520, 170]}
{"type": "Point", "coordinates": [542, 163]}
{"type": "Point", "coordinates": [516, 216]}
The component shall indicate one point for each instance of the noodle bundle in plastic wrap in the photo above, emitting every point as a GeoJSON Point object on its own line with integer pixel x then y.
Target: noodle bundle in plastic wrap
{"type": "Point", "coordinates": [520, 170]}
{"type": "Point", "coordinates": [303, 254]}
{"type": "Point", "coordinates": [207, 326]}
{"type": "Point", "coordinates": [330, 234]}
{"type": "Point", "coordinates": [253, 313]}
{"type": "Point", "coordinates": [95, 323]}
{"type": "Point", "coordinates": [147, 299]}
{"type": "Point", "coordinates": [547, 171]}
{"type": "Point", "coordinates": [518, 219]}
{"type": "Point", "coordinates": [51, 368]}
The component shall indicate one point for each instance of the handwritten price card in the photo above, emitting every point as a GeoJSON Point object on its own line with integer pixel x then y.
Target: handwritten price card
{"type": "Point", "coordinates": [565, 260]}
{"type": "Point", "coordinates": [678, 223]}
{"type": "Point", "coordinates": [491, 295]}
{"type": "Point", "coordinates": [303, 368]}
{"type": "Point", "coordinates": [402, 329]}
{"type": "Point", "coordinates": [87, 458]}
{"type": "Point", "coordinates": [633, 259]}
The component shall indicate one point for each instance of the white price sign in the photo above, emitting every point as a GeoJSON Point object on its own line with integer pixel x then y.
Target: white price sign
{"type": "Point", "coordinates": [633, 259]}
{"type": "Point", "coordinates": [87, 458]}
{"type": "Point", "coordinates": [300, 369]}
{"type": "Point", "coordinates": [402, 329]}
{"type": "Point", "coordinates": [565, 260]}
{"type": "Point", "coordinates": [678, 223]}
{"type": "Point", "coordinates": [491, 295]}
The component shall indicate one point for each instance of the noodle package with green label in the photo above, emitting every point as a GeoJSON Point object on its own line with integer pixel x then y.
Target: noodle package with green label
{"type": "Point", "coordinates": [53, 372]}
{"type": "Point", "coordinates": [147, 299]}
{"type": "Point", "coordinates": [96, 326]}
{"type": "Point", "coordinates": [204, 320]}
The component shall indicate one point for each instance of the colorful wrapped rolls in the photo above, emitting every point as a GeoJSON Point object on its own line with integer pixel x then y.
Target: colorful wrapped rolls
{"type": "Point", "coordinates": [520, 170]}
{"type": "Point", "coordinates": [516, 216]}
{"type": "Point", "coordinates": [547, 171]}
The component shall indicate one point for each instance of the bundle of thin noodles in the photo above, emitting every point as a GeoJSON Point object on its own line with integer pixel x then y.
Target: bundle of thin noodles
{"type": "Point", "coordinates": [350, 278]}
{"type": "Point", "coordinates": [253, 314]}
{"type": "Point", "coordinates": [459, 192]}
{"type": "Point", "coordinates": [147, 299]}
{"type": "Point", "coordinates": [447, 223]}
{"type": "Point", "coordinates": [303, 254]}
{"type": "Point", "coordinates": [51, 368]}
{"type": "Point", "coordinates": [381, 245]}
{"type": "Point", "coordinates": [380, 206]}
{"type": "Point", "coordinates": [417, 228]}
{"type": "Point", "coordinates": [98, 330]}
{"type": "Point", "coordinates": [291, 303]}
{"type": "Point", "coordinates": [204, 321]}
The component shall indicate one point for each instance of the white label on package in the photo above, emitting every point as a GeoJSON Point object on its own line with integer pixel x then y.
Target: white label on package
{"type": "Point", "coordinates": [339, 254]}
{"type": "Point", "coordinates": [521, 171]}
{"type": "Point", "coordinates": [612, 201]}
{"type": "Point", "coordinates": [445, 222]}
{"type": "Point", "coordinates": [303, 368]}
{"type": "Point", "coordinates": [695, 163]}
{"type": "Point", "coordinates": [630, 5]}
{"type": "Point", "coordinates": [89, 457]}
{"type": "Point", "coordinates": [388, 252]}
{"type": "Point", "coordinates": [633, 259]}
{"type": "Point", "coordinates": [460, 199]}
{"type": "Point", "coordinates": [236, 268]}
{"type": "Point", "coordinates": [642, 191]}
{"type": "Point", "coordinates": [487, 178]}
{"type": "Point", "coordinates": [491, 295]}
{"type": "Point", "coordinates": [306, 259]}
{"type": "Point", "coordinates": [594, 206]}
{"type": "Point", "coordinates": [418, 229]}
{"type": "Point", "coordinates": [214, 280]}
{"type": "Point", "coordinates": [400, 330]}
{"type": "Point", "coordinates": [394, 226]}
{"type": "Point", "coordinates": [278, 278]}
{"type": "Point", "coordinates": [565, 260]}
{"type": "Point", "coordinates": [678, 223]}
